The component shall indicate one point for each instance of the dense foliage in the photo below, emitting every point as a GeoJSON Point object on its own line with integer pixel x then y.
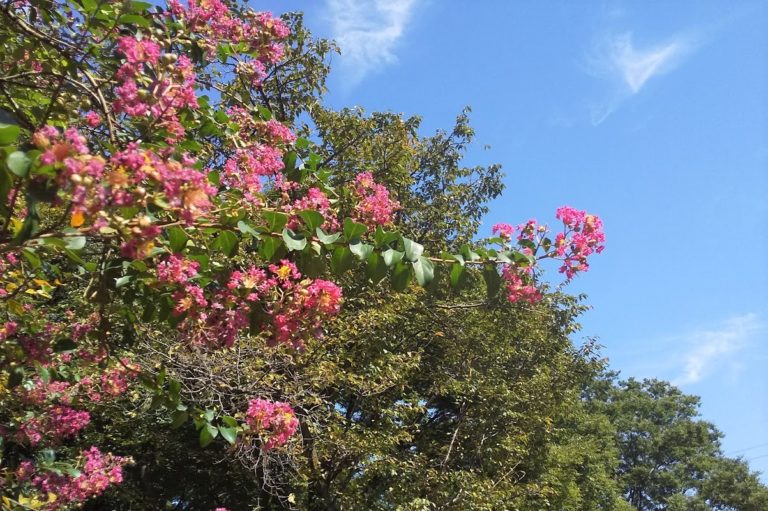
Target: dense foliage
{"type": "Point", "coordinates": [208, 289]}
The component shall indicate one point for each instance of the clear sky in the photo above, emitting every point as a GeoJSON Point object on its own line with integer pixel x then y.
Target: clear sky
{"type": "Point", "coordinates": [653, 115]}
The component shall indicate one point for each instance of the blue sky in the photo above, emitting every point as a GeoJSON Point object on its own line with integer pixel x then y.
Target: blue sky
{"type": "Point", "coordinates": [653, 115]}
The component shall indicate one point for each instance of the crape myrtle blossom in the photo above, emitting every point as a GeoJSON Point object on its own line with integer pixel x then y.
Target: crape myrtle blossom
{"type": "Point", "coordinates": [295, 308]}
{"type": "Point", "coordinates": [97, 471]}
{"type": "Point", "coordinates": [374, 206]}
{"type": "Point", "coordinates": [504, 231]}
{"type": "Point", "coordinates": [581, 237]}
{"type": "Point", "coordinates": [275, 422]}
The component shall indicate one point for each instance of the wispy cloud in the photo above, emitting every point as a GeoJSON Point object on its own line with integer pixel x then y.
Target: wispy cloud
{"type": "Point", "coordinates": [629, 68]}
{"type": "Point", "coordinates": [709, 349]}
{"type": "Point", "coordinates": [368, 32]}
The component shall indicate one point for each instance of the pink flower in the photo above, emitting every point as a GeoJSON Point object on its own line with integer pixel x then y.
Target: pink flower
{"type": "Point", "coordinates": [138, 52]}
{"type": "Point", "coordinates": [93, 119]}
{"type": "Point", "coordinates": [583, 236]}
{"type": "Point", "coordinates": [517, 290]}
{"type": "Point", "coordinates": [374, 206]}
{"type": "Point", "coordinates": [177, 270]}
{"type": "Point", "coordinates": [276, 421]}
{"type": "Point", "coordinates": [503, 230]}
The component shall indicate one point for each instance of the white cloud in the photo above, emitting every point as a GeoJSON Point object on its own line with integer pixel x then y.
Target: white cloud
{"type": "Point", "coordinates": [710, 349]}
{"type": "Point", "coordinates": [368, 32]}
{"type": "Point", "coordinates": [629, 68]}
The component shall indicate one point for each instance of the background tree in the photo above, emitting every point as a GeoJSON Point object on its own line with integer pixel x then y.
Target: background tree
{"type": "Point", "coordinates": [669, 457]}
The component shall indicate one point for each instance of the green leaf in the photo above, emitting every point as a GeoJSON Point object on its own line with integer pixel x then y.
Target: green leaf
{"type": "Point", "coordinates": [401, 276]}
{"type": "Point", "coordinates": [247, 229]}
{"type": "Point", "coordinates": [353, 230]}
{"type": "Point", "coordinates": [392, 257]}
{"type": "Point", "coordinates": [289, 161]}
{"type": "Point", "coordinates": [413, 250]}
{"type": "Point", "coordinates": [293, 241]}
{"type": "Point", "coordinates": [15, 377]}
{"type": "Point", "coordinates": [523, 260]}
{"type": "Point", "coordinates": [341, 260]}
{"type": "Point", "coordinates": [310, 263]}
{"type": "Point", "coordinates": [9, 133]}
{"type": "Point", "coordinates": [32, 258]}
{"type": "Point", "coordinates": [275, 221]}
{"type": "Point", "coordinates": [264, 112]}
{"type": "Point", "coordinates": [327, 239]}
{"type": "Point", "coordinates": [45, 374]}
{"type": "Point", "coordinates": [424, 271]}
{"type": "Point", "coordinates": [64, 345]}
{"type": "Point", "coordinates": [226, 242]}
{"type": "Point", "coordinates": [207, 434]}
{"type": "Point", "coordinates": [492, 280]}
{"type": "Point", "coordinates": [360, 249]}
{"type": "Point", "coordinates": [229, 421]}
{"type": "Point", "coordinates": [312, 219]}
{"type": "Point", "coordinates": [383, 237]}
{"type": "Point", "coordinates": [174, 389]}
{"type": "Point", "coordinates": [269, 247]}
{"type": "Point", "coordinates": [140, 6]}
{"type": "Point", "coordinates": [6, 182]}
{"type": "Point", "coordinates": [458, 275]}
{"type": "Point", "coordinates": [177, 238]}
{"type": "Point", "coordinates": [123, 281]}
{"type": "Point", "coordinates": [134, 19]}
{"type": "Point", "coordinates": [75, 242]}
{"type": "Point", "coordinates": [229, 434]}
{"type": "Point", "coordinates": [178, 418]}
{"type": "Point", "coordinates": [72, 256]}
{"type": "Point", "coordinates": [89, 5]}
{"type": "Point", "coordinates": [18, 163]}
{"type": "Point", "coordinates": [376, 269]}
{"type": "Point", "coordinates": [468, 253]}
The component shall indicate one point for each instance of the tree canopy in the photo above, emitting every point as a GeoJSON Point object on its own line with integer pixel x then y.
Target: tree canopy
{"type": "Point", "coordinates": [218, 293]}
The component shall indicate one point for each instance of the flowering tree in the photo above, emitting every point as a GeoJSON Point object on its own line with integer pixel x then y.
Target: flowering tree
{"type": "Point", "coordinates": [147, 194]}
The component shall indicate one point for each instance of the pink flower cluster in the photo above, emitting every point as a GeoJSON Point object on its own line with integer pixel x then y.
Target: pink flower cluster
{"type": "Point", "coordinates": [250, 167]}
{"type": "Point", "coordinates": [301, 306]}
{"type": "Point", "coordinates": [275, 421]}
{"type": "Point", "coordinates": [503, 230]}
{"type": "Point", "coordinates": [77, 170]}
{"type": "Point", "coordinates": [294, 308]}
{"type": "Point", "coordinates": [177, 270]}
{"type": "Point", "coordinates": [92, 119]}
{"type": "Point", "coordinates": [374, 207]}
{"type": "Point", "coordinates": [98, 471]}
{"type": "Point", "coordinates": [583, 236]}
{"type": "Point", "coordinates": [96, 185]}
{"type": "Point", "coordinates": [61, 422]}
{"type": "Point", "coordinates": [110, 383]}
{"type": "Point", "coordinates": [8, 329]}
{"type": "Point", "coordinates": [171, 89]}
{"type": "Point", "coordinates": [276, 132]}
{"type": "Point", "coordinates": [214, 20]}
{"type": "Point", "coordinates": [314, 200]}
{"type": "Point", "coordinates": [517, 288]}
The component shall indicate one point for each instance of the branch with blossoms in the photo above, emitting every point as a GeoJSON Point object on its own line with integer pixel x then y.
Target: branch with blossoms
{"type": "Point", "coordinates": [129, 197]}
